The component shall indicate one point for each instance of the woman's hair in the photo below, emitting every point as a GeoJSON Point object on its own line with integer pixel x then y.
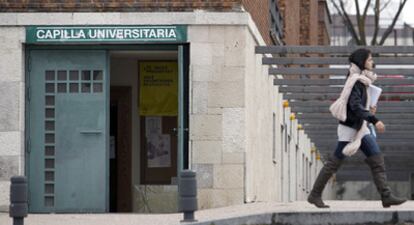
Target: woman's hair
{"type": "Point", "coordinates": [359, 57]}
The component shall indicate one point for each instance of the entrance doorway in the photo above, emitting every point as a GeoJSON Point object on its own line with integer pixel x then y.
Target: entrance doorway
{"type": "Point", "coordinates": [120, 149]}
{"type": "Point", "coordinates": [152, 77]}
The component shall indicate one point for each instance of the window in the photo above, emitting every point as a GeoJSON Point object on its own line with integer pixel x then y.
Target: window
{"type": "Point", "coordinates": [276, 22]}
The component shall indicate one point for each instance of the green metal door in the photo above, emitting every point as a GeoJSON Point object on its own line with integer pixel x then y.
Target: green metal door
{"type": "Point", "coordinates": [67, 131]}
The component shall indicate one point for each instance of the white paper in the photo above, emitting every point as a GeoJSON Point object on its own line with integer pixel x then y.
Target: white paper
{"type": "Point", "coordinates": [153, 125]}
{"type": "Point", "coordinates": [374, 93]}
{"type": "Point", "coordinates": [159, 150]}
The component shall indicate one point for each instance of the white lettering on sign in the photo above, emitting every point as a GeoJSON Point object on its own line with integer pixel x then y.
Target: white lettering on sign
{"type": "Point", "coordinates": [172, 34]}
{"type": "Point", "coordinates": [105, 33]}
{"type": "Point", "coordinates": [40, 34]}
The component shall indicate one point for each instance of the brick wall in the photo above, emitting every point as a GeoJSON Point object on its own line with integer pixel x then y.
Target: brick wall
{"type": "Point", "coordinates": [302, 22]}
{"type": "Point", "coordinates": [308, 22]}
{"type": "Point", "coordinates": [290, 10]}
{"type": "Point", "coordinates": [118, 5]}
{"type": "Point", "coordinates": [259, 11]}
{"type": "Point", "coordinates": [323, 34]}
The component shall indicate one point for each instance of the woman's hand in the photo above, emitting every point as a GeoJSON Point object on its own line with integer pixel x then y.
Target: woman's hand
{"type": "Point", "coordinates": [373, 109]}
{"type": "Point", "coordinates": [380, 127]}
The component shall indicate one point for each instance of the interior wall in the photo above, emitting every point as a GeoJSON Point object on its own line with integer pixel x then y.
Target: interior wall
{"type": "Point", "coordinates": [124, 72]}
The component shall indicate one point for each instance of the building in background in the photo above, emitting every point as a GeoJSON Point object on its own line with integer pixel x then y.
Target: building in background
{"type": "Point", "coordinates": [104, 102]}
{"type": "Point", "coordinates": [306, 22]}
{"type": "Point", "coordinates": [402, 34]}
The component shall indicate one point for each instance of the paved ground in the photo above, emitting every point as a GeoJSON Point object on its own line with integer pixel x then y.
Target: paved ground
{"type": "Point", "coordinates": [255, 213]}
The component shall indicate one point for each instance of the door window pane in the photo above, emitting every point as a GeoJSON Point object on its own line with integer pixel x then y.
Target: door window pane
{"type": "Point", "coordinates": [74, 88]}
{"type": "Point", "coordinates": [50, 75]}
{"type": "Point", "coordinates": [50, 138]}
{"type": "Point", "coordinates": [50, 88]}
{"type": "Point", "coordinates": [86, 75]}
{"type": "Point", "coordinates": [49, 188]}
{"type": "Point", "coordinates": [74, 75]}
{"type": "Point", "coordinates": [50, 125]}
{"type": "Point", "coordinates": [50, 150]}
{"type": "Point", "coordinates": [61, 88]}
{"type": "Point", "coordinates": [97, 75]}
{"type": "Point", "coordinates": [86, 87]}
{"type": "Point", "coordinates": [49, 163]}
{"type": "Point", "coordinates": [97, 88]}
{"type": "Point", "coordinates": [62, 75]}
{"type": "Point", "coordinates": [50, 113]}
{"type": "Point", "coordinates": [50, 100]}
{"type": "Point", "coordinates": [49, 176]}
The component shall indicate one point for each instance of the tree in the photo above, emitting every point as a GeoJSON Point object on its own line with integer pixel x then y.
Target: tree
{"type": "Point", "coordinates": [358, 31]}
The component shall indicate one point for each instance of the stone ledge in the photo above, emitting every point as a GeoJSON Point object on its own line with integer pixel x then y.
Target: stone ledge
{"type": "Point", "coordinates": [317, 218]}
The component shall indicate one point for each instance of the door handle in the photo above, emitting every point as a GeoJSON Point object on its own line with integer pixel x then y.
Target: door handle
{"type": "Point", "coordinates": [175, 130]}
{"type": "Point", "coordinates": [91, 132]}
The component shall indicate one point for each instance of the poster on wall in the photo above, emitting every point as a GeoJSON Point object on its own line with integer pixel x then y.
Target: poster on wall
{"type": "Point", "coordinates": [158, 144]}
{"type": "Point", "coordinates": [158, 88]}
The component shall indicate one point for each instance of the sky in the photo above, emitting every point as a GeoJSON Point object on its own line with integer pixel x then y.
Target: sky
{"type": "Point", "coordinates": [408, 12]}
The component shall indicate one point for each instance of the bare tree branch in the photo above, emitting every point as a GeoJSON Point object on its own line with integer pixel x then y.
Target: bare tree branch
{"type": "Point", "coordinates": [385, 5]}
{"type": "Point", "coordinates": [391, 26]}
{"type": "Point", "coordinates": [361, 23]}
{"type": "Point", "coordinates": [347, 21]}
{"type": "Point", "coordinates": [357, 8]}
{"type": "Point", "coordinates": [366, 8]}
{"type": "Point", "coordinates": [377, 12]}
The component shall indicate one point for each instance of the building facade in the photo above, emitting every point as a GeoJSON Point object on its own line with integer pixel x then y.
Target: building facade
{"type": "Point", "coordinates": [103, 103]}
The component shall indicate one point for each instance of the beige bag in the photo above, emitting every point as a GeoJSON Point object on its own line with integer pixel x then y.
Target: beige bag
{"type": "Point", "coordinates": [338, 109]}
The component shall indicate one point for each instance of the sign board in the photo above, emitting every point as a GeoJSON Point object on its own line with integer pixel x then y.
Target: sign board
{"type": "Point", "coordinates": [79, 34]}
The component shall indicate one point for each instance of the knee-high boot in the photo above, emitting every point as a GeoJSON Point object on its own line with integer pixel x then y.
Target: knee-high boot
{"type": "Point", "coordinates": [331, 166]}
{"type": "Point", "coordinates": [377, 165]}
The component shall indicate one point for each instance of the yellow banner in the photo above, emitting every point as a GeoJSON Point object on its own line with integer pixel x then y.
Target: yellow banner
{"type": "Point", "coordinates": [158, 89]}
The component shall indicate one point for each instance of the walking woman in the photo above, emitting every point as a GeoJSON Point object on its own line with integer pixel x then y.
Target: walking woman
{"type": "Point", "coordinates": [353, 113]}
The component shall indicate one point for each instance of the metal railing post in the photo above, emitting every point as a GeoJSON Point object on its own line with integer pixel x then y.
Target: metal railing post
{"type": "Point", "coordinates": [187, 202]}
{"type": "Point", "coordinates": [18, 199]}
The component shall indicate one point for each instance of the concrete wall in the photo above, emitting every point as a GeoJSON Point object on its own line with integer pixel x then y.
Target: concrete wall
{"type": "Point", "coordinates": [288, 173]}
{"type": "Point", "coordinates": [237, 155]}
{"type": "Point", "coordinates": [12, 108]}
{"type": "Point", "coordinates": [217, 112]}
